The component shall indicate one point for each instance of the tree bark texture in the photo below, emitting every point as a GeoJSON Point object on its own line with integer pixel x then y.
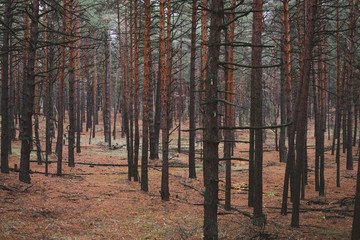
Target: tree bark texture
{"type": "Point", "coordinates": [211, 140]}
{"type": "Point", "coordinates": [192, 172]}
{"type": "Point", "coordinates": [5, 134]}
{"type": "Point", "coordinates": [146, 85]}
{"type": "Point", "coordinates": [28, 97]}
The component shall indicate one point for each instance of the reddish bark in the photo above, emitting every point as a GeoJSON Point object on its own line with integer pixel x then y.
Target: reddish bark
{"type": "Point", "coordinates": [288, 81]}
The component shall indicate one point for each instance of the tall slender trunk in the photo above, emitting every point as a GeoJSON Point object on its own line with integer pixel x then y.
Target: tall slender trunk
{"type": "Point", "coordinates": [11, 125]}
{"type": "Point", "coordinates": [290, 116]}
{"type": "Point", "coordinates": [154, 138]}
{"type": "Point", "coordinates": [204, 58]}
{"type": "Point", "coordinates": [274, 93]}
{"type": "Point", "coordinates": [25, 61]}
{"type": "Point", "coordinates": [50, 78]}
{"type": "Point", "coordinates": [302, 104]}
{"type": "Point", "coordinates": [78, 80]}
{"type": "Point", "coordinates": [61, 93]}
{"type": "Point", "coordinates": [229, 115]}
{"type": "Point", "coordinates": [136, 90]}
{"type": "Point", "coordinates": [316, 109]}
{"type": "Point", "coordinates": [165, 81]}
{"type": "Point", "coordinates": [126, 110]}
{"type": "Point", "coordinates": [355, 233]}
{"type": "Point", "coordinates": [46, 87]}
{"type": "Point", "coordinates": [89, 94]}
{"type": "Point", "coordinates": [109, 90]}
{"type": "Point", "coordinates": [282, 145]}
{"type": "Point", "coordinates": [16, 95]}
{"type": "Point", "coordinates": [350, 103]}
{"type": "Point", "coordinates": [28, 97]}
{"type": "Point", "coordinates": [322, 104]}
{"type": "Point", "coordinates": [72, 88]}
{"type": "Point", "coordinates": [256, 103]}
{"type": "Point", "coordinates": [131, 89]}
{"type": "Point", "coordinates": [338, 98]}
{"type": "Point", "coordinates": [5, 137]}
{"type": "Point", "coordinates": [106, 89]}
{"type": "Point", "coordinates": [192, 172]}
{"type": "Point", "coordinates": [120, 65]}
{"type": "Point", "coordinates": [37, 92]}
{"type": "Point", "coordinates": [211, 140]}
{"type": "Point", "coordinates": [152, 133]}
{"type": "Point", "coordinates": [146, 84]}
{"type": "Point", "coordinates": [180, 90]}
{"type": "Point", "coordinates": [94, 89]}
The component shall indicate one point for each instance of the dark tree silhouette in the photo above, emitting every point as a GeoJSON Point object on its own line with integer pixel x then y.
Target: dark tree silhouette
{"type": "Point", "coordinates": [28, 96]}
{"type": "Point", "coordinates": [5, 137]}
{"type": "Point", "coordinates": [192, 172]}
{"type": "Point", "coordinates": [211, 136]}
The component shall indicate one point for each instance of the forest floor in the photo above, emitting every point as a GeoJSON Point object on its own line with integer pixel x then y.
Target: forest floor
{"type": "Point", "coordinates": [98, 202]}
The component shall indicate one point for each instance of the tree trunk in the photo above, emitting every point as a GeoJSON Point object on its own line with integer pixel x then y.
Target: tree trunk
{"type": "Point", "coordinates": [180, 91]}
{"type": "Point", "coordinates": [28, 97]}
{"type": "Point", "coordinates": [131, 89]}
{"type": "Point", "coordinates": [355, 234]}
{"type": "Point", "coordinates": [317, 123]}
{"type": "Point", "coordinates": [204, 59]}
{"type": "Point", "coordinates": [5, 137]}
{"type": "Point", "coordinates": [95, 88]}
{"type": "Point", "coordinates": [61, 93]}
{"type": "Point", "coordinates": [146, 84]}
{"type": "Point", "coordinates": [14, 96]}
{"type": "Point", "coordinates": [120, 65]}
{"type": "Point", "coordinates": [126, 104]}
{"type": "Point", "coordinates": [256, 100]}
{"type": "Point", "coordinates": [338, 85]}
{"type": "Point", "coordinates": [49, 79]}
{"type": "Point", "coordinates": [301, 106]}
{"type": "Point", "coordinates": [211, 140]}
{"type": "Point", "coordinates": [350, 103]}
{"type": "Point", "coordinates": [106, 90]}
{"type": "Point", "coordinates": [154, 138]}
{"type": "Point", "coordinates": [229, 114]}
{"type": "Point", "coordinates": [322, 104]}
{"type": "Point", "coordinates": [25, 61]}
{"type": "Point", "coordinates": [192, 172]}
{"type": "Point", "coordinates": [72, 89]}
{"type": "Point", "coordinates": [79, 79]}
{"type": "Point", "coordinates": [136, 91]}
{"type": "Point", "coordinates": [46, 86]}
{"type": "Point", "coordinates": [89, 93]}
{"type": "Point", "coordinates": [289, 170]}
{"type": "Point", "coordinates": [282, 145]}
{"type": "Point", "coordinates": [152, 134]}
{"type": "Point", "coordinates": [37, 93]}
{"type": "Point", "coordinates": [165, 82]}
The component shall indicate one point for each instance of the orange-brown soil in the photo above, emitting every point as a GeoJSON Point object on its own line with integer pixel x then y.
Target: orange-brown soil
{"type": "Point", "coordinates": [98, 202]}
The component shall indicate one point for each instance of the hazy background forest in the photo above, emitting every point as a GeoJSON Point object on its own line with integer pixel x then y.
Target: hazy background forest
{"type": "Point", "coordinates": [174, 119]}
